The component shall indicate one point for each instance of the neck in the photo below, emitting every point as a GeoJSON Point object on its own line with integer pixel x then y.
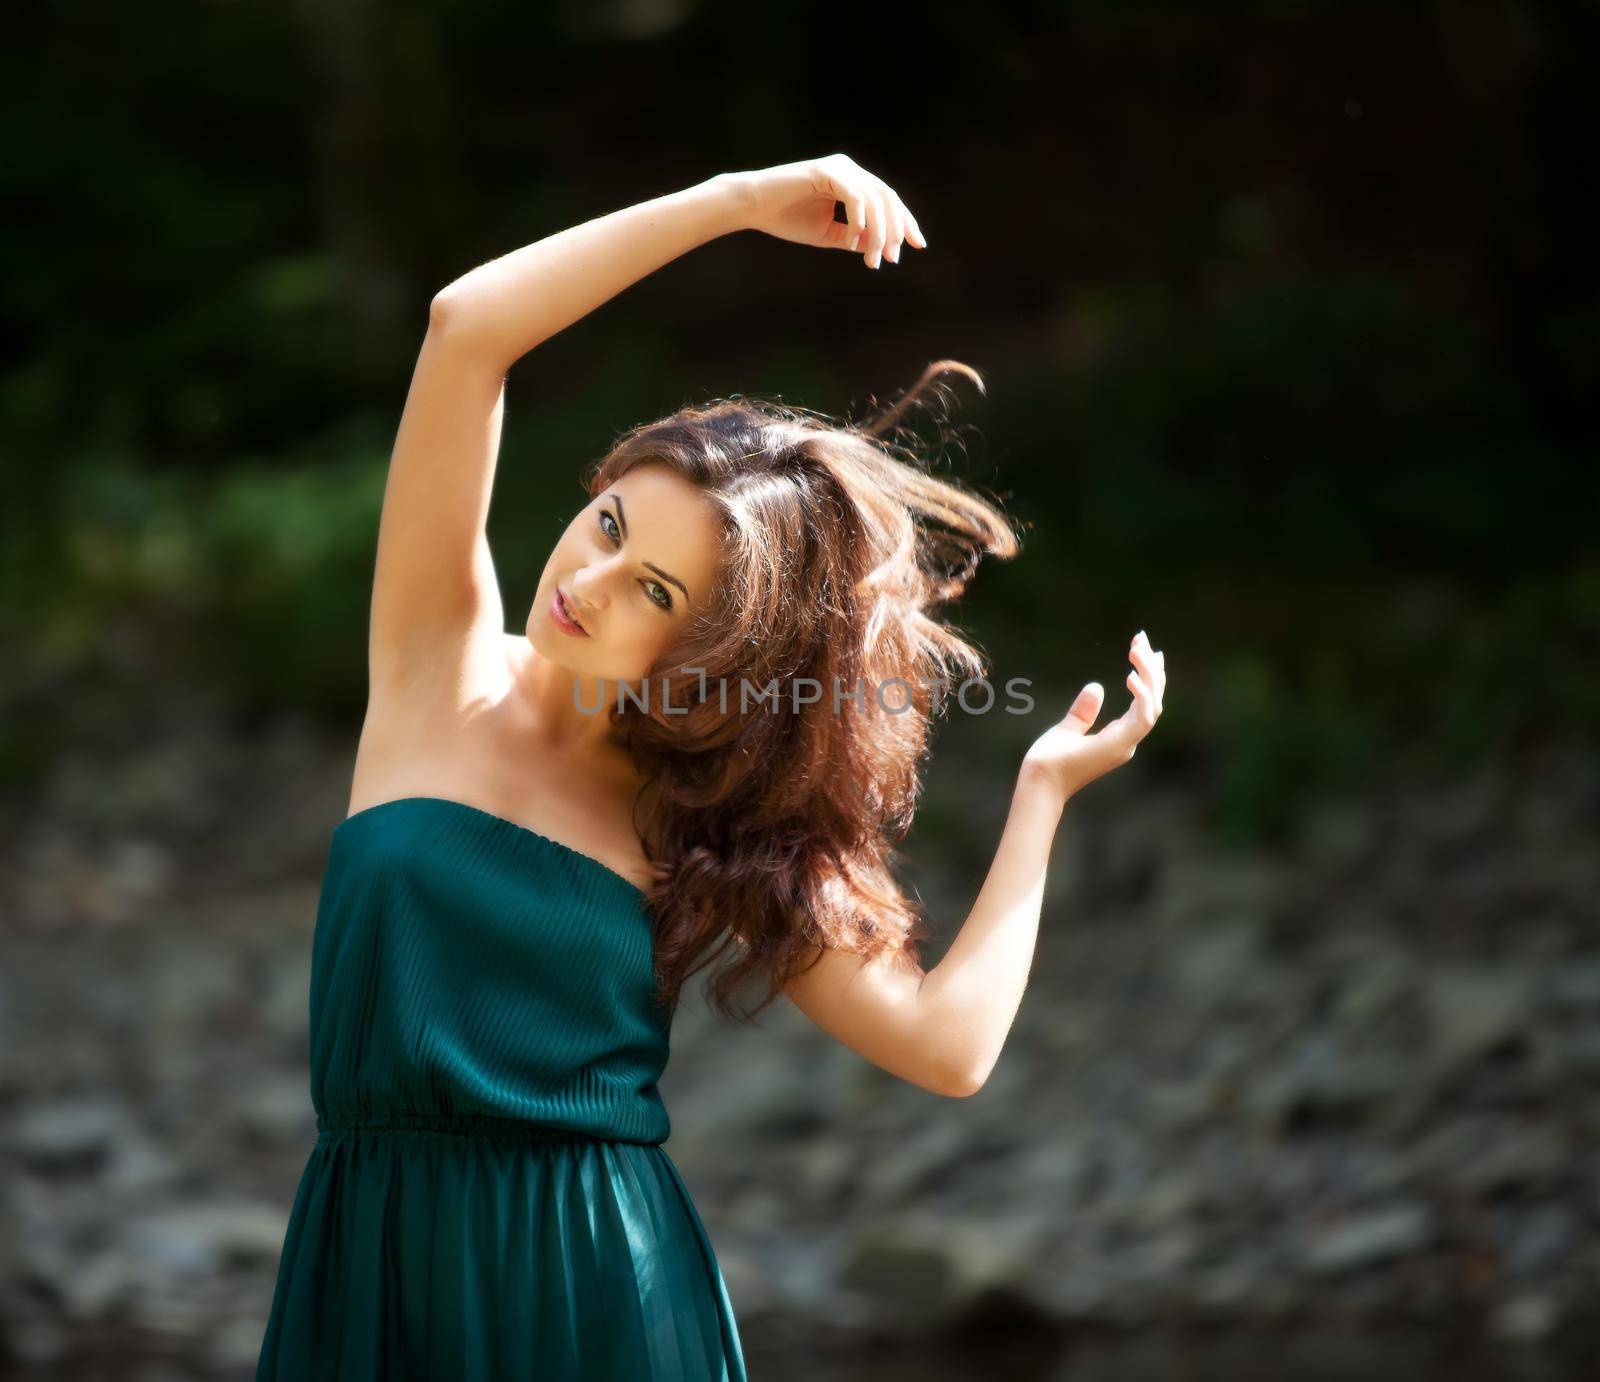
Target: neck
{"type": "Point", "coordinates": [569, 711]}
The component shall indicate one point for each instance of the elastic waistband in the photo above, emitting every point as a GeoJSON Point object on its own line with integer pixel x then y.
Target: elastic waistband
{"type": "Point", "coordinates": [462, 1124]}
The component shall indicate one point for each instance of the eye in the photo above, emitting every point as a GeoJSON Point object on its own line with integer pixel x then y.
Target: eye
{"type": "Point", "coordinates": [665, 602]}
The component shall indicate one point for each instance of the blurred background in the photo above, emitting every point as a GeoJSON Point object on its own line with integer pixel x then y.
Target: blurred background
{"type": "Point", "coordinates": [1287, 314]}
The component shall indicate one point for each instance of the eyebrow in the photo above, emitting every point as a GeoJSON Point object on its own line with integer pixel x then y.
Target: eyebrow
{"type": "Point", "coordinates": [622, 522]}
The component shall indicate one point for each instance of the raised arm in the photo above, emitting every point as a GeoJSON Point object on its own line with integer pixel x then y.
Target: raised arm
{"type": "Point", "coordinates": [504, 308]}
{"type": "Point", "coordinates": [435, 599]}
{"type": "Point", "coordinates": [944, 1030]}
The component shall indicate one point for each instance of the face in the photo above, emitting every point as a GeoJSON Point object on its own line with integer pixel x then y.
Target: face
{"type": "Point", "coordinates": [633, 567]}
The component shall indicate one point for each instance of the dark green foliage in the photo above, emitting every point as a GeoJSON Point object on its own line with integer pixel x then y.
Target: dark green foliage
{"type": "Point", "coordinates": [1288, 323]}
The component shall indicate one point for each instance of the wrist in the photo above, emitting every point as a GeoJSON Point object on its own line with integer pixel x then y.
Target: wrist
{"type": "Point", "coordinates": [737, 194]}
{"type": "Point", "coordinates": [1036, 786]}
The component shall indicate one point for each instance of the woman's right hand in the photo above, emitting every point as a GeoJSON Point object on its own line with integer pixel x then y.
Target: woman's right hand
{"type": "Point", "coordinates": [1068, 757]}
{"type": "Point", "coordinates": [795, 202]}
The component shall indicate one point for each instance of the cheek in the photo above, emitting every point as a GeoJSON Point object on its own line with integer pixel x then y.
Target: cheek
{"type": "Point", "coordinates": [639, 633]}
{"type": "Point", "coordinates": [642, 639]}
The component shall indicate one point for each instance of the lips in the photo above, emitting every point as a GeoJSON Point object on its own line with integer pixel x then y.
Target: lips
{"type": "Point", "coordinates": [565, 613]}
{"type": "Point", "coordinates": [567, 605]}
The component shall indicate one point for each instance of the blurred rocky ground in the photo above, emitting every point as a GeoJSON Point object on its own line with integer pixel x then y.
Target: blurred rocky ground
{"type": "Point", "coordinates": [1349, 1090]}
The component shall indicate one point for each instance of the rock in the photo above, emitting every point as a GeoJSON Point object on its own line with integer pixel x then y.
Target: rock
{"type": "Point", "coordinates": [1527, 1317]}
{"type": "Point", "coordinates": [934, 1152]}
{"type": "Point", "coordinates": [1463, 809]}
{"type": "Point", "coordinates": [139, 1165]}
{"type": "Point", "coordinates": [1209, 963]}
{"type": "Point", "coordinates": [905, 1267]}
{"type": "Point", "coordinates": [286, 1005]}
{"type": "Point", "coordinates": [1198, 892]}
{"type": "Point", "coordinates": [170, 1311]}
{"type": "Point", "coordinates": [195, 1240]}
{"type": "Point", "coordinates": [277, 1107]}
{"type": "Point", "coordinates": [138, 870]}
{"type": "Point", "coordinates": [186, 983]}
{"type": "Point", "coordinates": [1320, 1079]}
{"type": "Point", "coordinates": [1224, 1285]}
{"type": "Point", "coordinates": [1054, 1170]}
{"type": "Point", "coordinates": [1335, 834]}
{"type": "Point", "coordinates": [72, 1131]}
{"type": "Point", "coordinates": [236, 1347]}
{"type": "Point", "coordinates": [1373, 989]}
{"type": "Point", "coordinates": [1157, 1202]}
{"type": "Point", "coordinates": [825, 1171]}
{"type": "Point", "coordinates": [1472, 1010]}
{"type": "Point", "coordinates": [1510, 1155]}
{"type": "Point", "coordinates": [1366, 1237]}
{"type": "Point", "coordinates": [1541, 1237]}
{"type": "Point", "coordinates": [95, 1284]}
{"type": "Point", "coordinates": [38, 1341]}
{"type": "Point", "coordinates": [1576, 982]}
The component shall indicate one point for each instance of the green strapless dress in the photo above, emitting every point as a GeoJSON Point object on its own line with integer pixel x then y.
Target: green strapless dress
{"type": "Point", "coordinates": [488, 1198]}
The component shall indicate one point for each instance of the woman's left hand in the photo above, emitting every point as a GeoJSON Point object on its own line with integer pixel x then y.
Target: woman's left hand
{"type": "Point", "coordinates": [1068, 757]}
{"type": "Point", "coordinates": [795, 202]}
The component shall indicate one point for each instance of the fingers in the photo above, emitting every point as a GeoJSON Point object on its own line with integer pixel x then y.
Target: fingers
{"type": "Point", "coordinates": [1147, 683]}
{"type": "Point", "coordinates": [1151, 683]}
{"type": "Point", "coordinates": [904, 223]}
{"type": "Point", "coordinates": [896, 222]}
{"type": "Point", "coordinates": [1085, 708]}
{"type": "Point", "coordinates": [878, 221]}
{"type": "Point", "coordinates": [896, 226]}
{"type": "Point", "coordinates": [1152, 665]}
{"type": "Point", "coordinates": [1144, 701]}
{"type": "Point", "coordinates": [886, 222]}
{"type": "Point", "coordinates": [863, 239]}
{"type": "Point", "coordinates": [855, 210]}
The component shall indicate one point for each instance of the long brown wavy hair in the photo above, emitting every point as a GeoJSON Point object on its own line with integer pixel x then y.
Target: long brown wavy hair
{"type": "Point", "coordinates": [773, 821]}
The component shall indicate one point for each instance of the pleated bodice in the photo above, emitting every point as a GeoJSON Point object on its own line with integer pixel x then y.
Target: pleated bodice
{"type": "Point", "coordinates": [466, 967]}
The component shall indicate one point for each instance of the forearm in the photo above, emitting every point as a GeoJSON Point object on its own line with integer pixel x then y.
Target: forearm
{"type": "Point", "coordinates": [973, 993]}
{"type": "Point", "coordinates": [506, 307]}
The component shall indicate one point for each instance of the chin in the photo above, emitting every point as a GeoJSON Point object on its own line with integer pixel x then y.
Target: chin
{"type": "Point", "coordinates": [543, 641]}
{"type": "Point", "coordinates": [552, 646]}
{"type": "Point", "coordinates": [548, 645]}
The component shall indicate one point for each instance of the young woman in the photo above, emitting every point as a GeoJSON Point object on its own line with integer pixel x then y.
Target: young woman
{"type": "Point", "coordinates": [704, 746]}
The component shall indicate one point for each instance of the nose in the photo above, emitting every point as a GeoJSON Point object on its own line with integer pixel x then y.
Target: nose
{"type": "Point", "coordinates": [587, 589]}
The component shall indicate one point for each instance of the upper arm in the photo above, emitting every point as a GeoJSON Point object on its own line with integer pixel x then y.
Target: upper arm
{"type": "Point", "coordinates": [875, 1007]}
{"type": "Point", "coordinates": [434, 588]}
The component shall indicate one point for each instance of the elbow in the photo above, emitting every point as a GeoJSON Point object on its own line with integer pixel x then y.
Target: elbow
{"type": "Point", "coordinates": [962, 1083]}
{"type": "Point", "coordinates": [948, 1033]}
{"type": "Point", "coordinates": [457, 321]}
{"type": "Point", "coordinates": [965, 1088]}
{"type": "Point", "coordinates": [450, 309]}
{"type": "Point", "coordinates": [443, 310]}
{"type": "Point", "coordinates": [965, 1069]}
